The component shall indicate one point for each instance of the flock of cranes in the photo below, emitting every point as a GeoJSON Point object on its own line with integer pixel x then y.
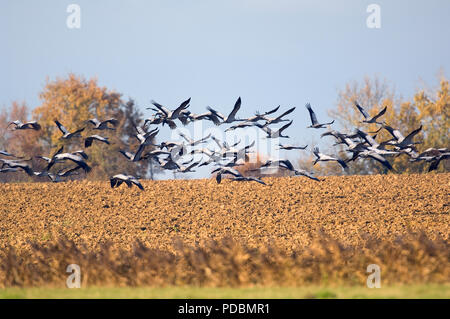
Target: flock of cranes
{"type": "Point", "coordinates": [169, 155]}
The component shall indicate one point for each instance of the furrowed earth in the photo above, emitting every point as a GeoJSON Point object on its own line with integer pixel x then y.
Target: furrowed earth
{"type": "Point", "coordinates": [285, 214]}
{"type": "Point", "coordinates": [198, 233]}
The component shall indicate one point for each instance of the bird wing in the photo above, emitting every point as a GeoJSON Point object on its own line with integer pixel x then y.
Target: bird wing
{"type": "Point", "coordinates": [113, 181]}
{"type": "Point", "coordinates": [218, 178]}
{"type": "Point", "coordinates": [36, 126]}
{"type": "Point", "coordinates": [137, 155]}
{"type": "Point", "coordinates": [410, 136]}
{"type": "Point", "coordinates": [430, 152]}
{"type": "Point", "coordinates": [61, 127]}
{"type": "Point", "coordinates": [367, 138]}
{"type": "Point", "coordinates": [232, 171]}
{"type": "Point", "coordinates": [5, 153]}
{"type": "Point", "coordinates": [342, 163]}
{"type": "Point", "coordinates": [214, 118]}
{"type": "Point", "coordinates": [22, 166]}
{"type": "Point", "coordinates": [285, 113]}
{"type": "Point", "coordinates": [59, 151]}
{"type": "Point", "coordinates": [316, 151]}
{"type": "Point", "coordinates": [140, 130]}
{"type": "Point", "coordinates": [161, 108]}
{"type": "Point", "coordinates": [128, 155]}
{"type": "Point", "coordinates": [272, 111]}
{"type": "Point", "coordinates": [379, 114]}
{"type": "Point", "coordinates": [264, 128]}
{"type": "Point", "coordinates": [312, 115]}
{"type": "Point", "coordinates": [363, 112]}
{"type": "Point", "coordinates": [236, 108]}
{"type": "Point", "coordinates": [380, 159]}
{"type": "Point", "coordinates": [150, 135]}
{"type": "Point", "coordinates": [95, 122]}
{"type": "Point", "coordinates": [100, 138]}
{"type": "Point", "coordinates": [287, 164]}
{"type": "Point", "coordinates": [67, 172]}
{"type": "Point", "coordinates": [81, 153]}
{"type": "Point", "coordinates": [88, 141]}
{"type": "Point", "coordinates": [16, 123]}
{"type": "Point", "coordinates": [395, 133]}
{"type": "Point", "coordinates": [113, 121]}
{"type": "Point", "coordinates": [8, 170]}
{"type": "Point", "coordinates": [246, 147]}
{"type": "Point", "coordinates": [182, 106]}
{"type": "Point", "coordinates": [33, 125]}
{"type": "Point", "coordinates": [215, 113]}
{"type": "Point", "coordinates": [192, 165]}
{"type": "Point", "coordinates": [215, 139]}
{"type": "Point", "coordinates": [78, 131]}
{"type": "Point", "coordinates": [76, 159]}
{"type": "Point", "coordinates": [136, 182]}
{"type": "Point", "coordinates": [285, 127]}
{"type": "Point", "coordinates": [256, 180]}
{"type": "Point", "coordinates": [305, 173]}
{"type": "Point", "coordinates": [171, 124]}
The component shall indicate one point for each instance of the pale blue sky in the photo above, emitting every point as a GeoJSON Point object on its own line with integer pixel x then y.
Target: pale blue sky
{"type": "Point", "coordinates": [268, 52]}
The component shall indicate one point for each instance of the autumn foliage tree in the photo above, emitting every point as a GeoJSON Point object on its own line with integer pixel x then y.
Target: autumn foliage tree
{"type": "Point", "coordinates": [73, 100]}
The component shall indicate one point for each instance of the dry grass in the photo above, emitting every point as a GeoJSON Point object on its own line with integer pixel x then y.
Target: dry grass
{"type": "Point", "coordinates": [196, 232]}
{"type": "Point", "coordinates": [412, 259]}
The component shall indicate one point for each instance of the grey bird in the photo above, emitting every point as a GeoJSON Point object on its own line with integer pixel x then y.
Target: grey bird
{"type": "Point", "coordinates": [274, 133]}
{"type": "Point", "coordinates": [168, 116]}
{"type": "Point", "coordinates": [279, 118]}
{"type": "Point", "coordinates": [103, 125]}
{"type": "Point", "coordinates": [314, 122]}
{"type": "Point", "coordinates": [375, 156]}
{"type": "Point", "coordinates": [326, 158]}
{"type": "Point", "coordinates": [32, 125]}
{"type": "Point", "coordinates": [210, 116]}
{"type": "Point", "coordinates": [136, 156]}
{"type": "Point", "coordinates": [240, 125]}
{"type": "Point", "coordinates": [232, 116]}
{"type": "Point", "coordinates": [187, 169]}
{"type": "Point", "coordinates": [66, 133]}
{"type": "Point", "coordinates": [17, 165]}
{"type": "Point", "coordinates": [258, 117]}
{"type": "Point", "coordinates": [88, 140]}
{"type": "Point", "coordinates": [6, 153]}
{"type": "Point", "coordinates": [224, 171]}
{"type": "Point", "coordinates": [286, 164]}
{"type": "Point", "coordinates": [145, 137]}
{"type": "Point", "coordinates": [367, 118]}
{"type": "Point", "coordinates": [192, 142]}
{"type": "Point", "coordinates": [77, 159]}
{"type": "Point", "coordinates": [8, 170]}
{"type": "Point", "coordinates": [118, 179]}
{"type": "Point", "coordinates": [248, 179]}
{"type": "Point", "coordinates": [291, 147]}
{"type": "Point", "coordinates": [399, 140]}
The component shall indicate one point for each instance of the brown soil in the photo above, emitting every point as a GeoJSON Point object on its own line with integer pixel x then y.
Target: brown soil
{"type": "Point", "coordinates": [287, 214]}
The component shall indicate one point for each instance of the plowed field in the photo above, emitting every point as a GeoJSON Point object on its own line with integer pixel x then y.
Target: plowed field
{"type": "Point", "coordinates": [286, 214]}
{"type": "Point", "coordinates": [295, 232]}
